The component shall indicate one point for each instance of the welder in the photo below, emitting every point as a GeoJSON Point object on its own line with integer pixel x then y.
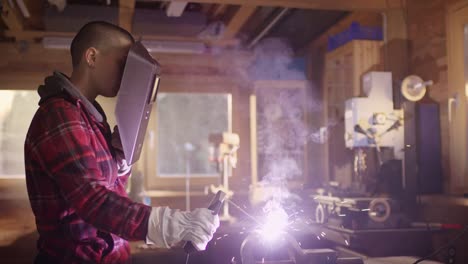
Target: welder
{"type": "Point", "coordinates": [75, 170]}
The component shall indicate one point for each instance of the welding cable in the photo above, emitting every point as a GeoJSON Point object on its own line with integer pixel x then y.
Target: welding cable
{"type": "Point", "coordinates": [446, 246]}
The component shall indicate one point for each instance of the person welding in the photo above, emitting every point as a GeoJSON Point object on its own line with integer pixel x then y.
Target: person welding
{"type": "Point", "coordinates": [75, 171]}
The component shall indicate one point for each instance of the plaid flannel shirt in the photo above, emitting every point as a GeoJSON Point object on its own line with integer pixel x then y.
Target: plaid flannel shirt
{"type": "Point", "coordinates": [82, 211]}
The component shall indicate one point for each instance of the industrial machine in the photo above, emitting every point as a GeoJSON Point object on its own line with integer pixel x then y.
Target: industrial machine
{"type": "Point", "coordinates": [381, 193]}
{"type": "Point", "coordinates": [372, 127]}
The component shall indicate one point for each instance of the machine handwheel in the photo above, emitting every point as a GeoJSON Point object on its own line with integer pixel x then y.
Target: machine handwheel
{"type": "Point", "coordinates": [321, 214]}
{"type": "Point", "coordinates": [379, 210]}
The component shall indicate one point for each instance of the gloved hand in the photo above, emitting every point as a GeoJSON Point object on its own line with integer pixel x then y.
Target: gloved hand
{"type": "Point", "coordinates": [167, 227]}
{"type": "Point", "coordinates": [123, 167]}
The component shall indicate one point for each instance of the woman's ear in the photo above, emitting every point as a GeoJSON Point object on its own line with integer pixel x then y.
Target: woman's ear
{"type": "Point", "coordinates": [90, 57]}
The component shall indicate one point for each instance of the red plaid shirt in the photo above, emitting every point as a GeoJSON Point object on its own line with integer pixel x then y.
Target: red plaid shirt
{"type": "Point", "coordinates": [82, 211]}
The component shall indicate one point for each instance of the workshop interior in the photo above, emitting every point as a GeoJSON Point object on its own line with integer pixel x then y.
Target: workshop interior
{"type": "Point", "coordinates": [320, 131]}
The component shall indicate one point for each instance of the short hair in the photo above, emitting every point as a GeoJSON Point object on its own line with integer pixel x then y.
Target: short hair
{"type": "Point", "coordinates": [98, 34]}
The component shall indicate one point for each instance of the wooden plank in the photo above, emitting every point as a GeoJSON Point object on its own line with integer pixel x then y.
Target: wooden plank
{"type": "Point", "coordinates": [31, 34]}
{"type": "Point", "coordinates": [126, 11]}
{"type": "Point", "coordinates": [253, 140]}
{"type": "Point", "coordinates": [13, 20]}
{"type": "Point", "coordinates": [457, 18]}
{"type": "Point", "coordinates": [396, 51]}
{"type": "Point", "coordinates": [343, 72]}
{"type": "Point", "coordinates": [205, 9]}
{"type": "Point", "coordinates": [27, 69]}
{"type": "Point", "coordinates": [367, 58]}
{"type": "Point", "coordinates": [350, 5]}
{"type": "Point", "coordinates": [219, 10]}
{"type": "Point", "coordinates": [37, 33]}
{"type": "Point", "coordinates": [10, 17]}
{"type": "Point", "coordinates": [239, 19]}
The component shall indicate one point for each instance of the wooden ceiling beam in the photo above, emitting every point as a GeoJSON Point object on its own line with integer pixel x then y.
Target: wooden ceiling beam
{"type": "Point", "coordinates": [205, 8]}
{"type": "Point", "coordinates": [35, 34]}
{"type": "Point", "coordinates": [219, 10]}
{"type": "Point", "coordinates": [239, 19]}
{"type": "Point", "coordinates": [346, 5]}
{"type": "Point", "coordinates": [10, 17]}
{"type": "Point", "coordinates": [126, 11]}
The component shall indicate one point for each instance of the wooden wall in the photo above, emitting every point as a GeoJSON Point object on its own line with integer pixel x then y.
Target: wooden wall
{"type": "Point", "coordinates": [416, 44]}
{"type": "Point", "coordinates": [26, 69]}
{"type": "Point", "coordinates": [316, 61]}
{"type": "Point", "coordinates": [427, 36]}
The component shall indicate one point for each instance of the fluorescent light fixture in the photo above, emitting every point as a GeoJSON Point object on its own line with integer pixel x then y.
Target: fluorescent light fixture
{"type": "Point", "coordinates": [56, 42]}
{"type": "Point", "coordinates": [157, 46]}
{"type": "Point", "coordinates": [167, 46]}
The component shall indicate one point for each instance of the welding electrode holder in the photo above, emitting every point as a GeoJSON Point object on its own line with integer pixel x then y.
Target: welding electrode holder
{"type": "Point", "coordinates": [215, 206]}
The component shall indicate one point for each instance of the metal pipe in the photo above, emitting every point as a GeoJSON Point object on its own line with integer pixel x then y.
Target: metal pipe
{"type": "Point", "coordinates": [268, 28]}
{"type": "Point", "coordinates": [226, 183]}
{"type": "Point", "coordinates": [187, 184]}
{"type": "Point", "coordinates": [385, 38]}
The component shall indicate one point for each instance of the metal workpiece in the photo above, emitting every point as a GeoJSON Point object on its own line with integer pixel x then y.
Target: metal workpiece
{"type": "Point", "coordinates": [288, 250]}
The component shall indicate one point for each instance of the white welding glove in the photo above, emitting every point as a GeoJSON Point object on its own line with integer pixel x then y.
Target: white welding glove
{"type": "Point", "coordinates": [167, 227]}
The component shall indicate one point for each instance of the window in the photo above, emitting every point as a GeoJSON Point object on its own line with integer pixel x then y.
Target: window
{"type": "Point", "coordinates": [184, 123]}
{"type": "Point", "coordinates": [17, 109]}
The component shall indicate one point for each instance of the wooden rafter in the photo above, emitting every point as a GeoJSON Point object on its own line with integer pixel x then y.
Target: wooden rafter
{"type": "Point", "coordinates": [11, 19]}
{"type": "Point", "coordinates": [349, 5]}
{"type": "Point", "coordinates": [31, 34]}
{"type": "Point", "coordinates": [206, 8]}
{"type": "Point", "coordinates": [219, 10]}
{"type": "Point", "coordinates": [239, 19]}
{"type": "Point", "coordinates": [126, 11]}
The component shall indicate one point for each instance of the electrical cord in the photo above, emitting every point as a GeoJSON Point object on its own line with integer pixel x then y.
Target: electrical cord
{"type": "Point", "coordinates": [187, 258]}
{"type": "Point", "coordinates": [446, 246]}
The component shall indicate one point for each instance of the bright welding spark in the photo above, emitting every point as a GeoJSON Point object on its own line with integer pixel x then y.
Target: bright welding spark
{"type": "Point", "coordinates": [276, 222]}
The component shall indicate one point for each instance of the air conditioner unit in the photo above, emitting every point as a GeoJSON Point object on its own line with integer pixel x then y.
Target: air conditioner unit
{"type": "Point", "coordinates": [156, 46]}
